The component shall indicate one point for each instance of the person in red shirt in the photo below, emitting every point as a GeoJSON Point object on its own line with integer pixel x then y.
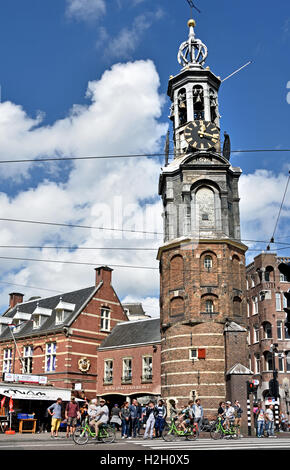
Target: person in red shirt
{"type": "Point", "coordinates": [72, 414]}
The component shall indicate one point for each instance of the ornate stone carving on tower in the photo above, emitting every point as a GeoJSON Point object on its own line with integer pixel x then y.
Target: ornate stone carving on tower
{"type": "Point", "coordinates": [202, 260]}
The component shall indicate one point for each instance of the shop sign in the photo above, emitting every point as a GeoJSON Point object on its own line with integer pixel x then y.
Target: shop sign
{"type": "Point", "coordinates": [24, 378]}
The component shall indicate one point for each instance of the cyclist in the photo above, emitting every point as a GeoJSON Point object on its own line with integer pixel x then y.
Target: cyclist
{"type": "Point", "coordinates": [229, 415]}
{"type": "Point", "coordinates": [187, 416]}
{"type": "Point", "coordinates": [102, 416]}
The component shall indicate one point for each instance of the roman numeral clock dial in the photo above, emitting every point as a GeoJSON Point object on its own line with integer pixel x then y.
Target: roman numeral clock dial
{"type": "Point", "coordinates": [201, 135]}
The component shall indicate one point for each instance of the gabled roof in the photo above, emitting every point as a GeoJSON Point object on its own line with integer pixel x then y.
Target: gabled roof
{"type": "Point", "coordinates": [133, 333]}
{"type": "Point", "coordinates": [79, 298]}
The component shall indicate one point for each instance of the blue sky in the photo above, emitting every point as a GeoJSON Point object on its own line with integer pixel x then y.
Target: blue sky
{"type": "Point", "coordinates": [61, 89]}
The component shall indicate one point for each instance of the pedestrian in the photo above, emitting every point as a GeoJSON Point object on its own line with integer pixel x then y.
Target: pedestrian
{"type": "Point", "coordinates": [125, 417]}
{"type": "Point", "coordinates": [198, 413]}
{"type": "Point", "coordinates": [173, 412]}
{"type": "Point", "coordinates": [150, 421]}
{"type": "Point", "coordinates": [139, 414]}
{"type": "Point", "coordinates": [269, 421]}
{"type": "Point", "coordinates": [72, 414]}
{"type": "Point", "coordinates": [238, 416]}
{"type": "Point", "coordinates": [160, 418]}
{"type": "Point", "coordinates": [115, 417]}
{"type": "Point", "coordinates": [133, 419]}
{"type": "Point", "coordinates": [282, 421]}
{"type": "Point", "coordinates": [260, 418]}
{"type": "Point", "coordinates": [55, 411]}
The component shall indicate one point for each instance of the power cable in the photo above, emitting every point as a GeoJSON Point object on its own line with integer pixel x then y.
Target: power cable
{"type": "Point", "coordinates": [148, 155]}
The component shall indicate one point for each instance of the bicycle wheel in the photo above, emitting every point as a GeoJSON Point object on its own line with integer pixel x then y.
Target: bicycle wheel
{"type": "Point", "coordinates": [80, 436]}
{"type": "Point", "coordinates": [107, 434]}
{"type": "Point", "coordinates": [192, 436]}
{"type": "Point", "coordinates": [168, 434]}
{"type": "Point", "coordinates": [216, 433]}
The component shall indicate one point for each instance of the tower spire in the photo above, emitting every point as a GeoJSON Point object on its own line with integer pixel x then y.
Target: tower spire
{"type": "Point", "coordinates": [192, 52]}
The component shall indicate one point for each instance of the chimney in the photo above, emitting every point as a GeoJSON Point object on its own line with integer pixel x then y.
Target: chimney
{"type": "Point", "coordinates": [15, 298]}
{"type": "Point", "coordinates": [104, 273]}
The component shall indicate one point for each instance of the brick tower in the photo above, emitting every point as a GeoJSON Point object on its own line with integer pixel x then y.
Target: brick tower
{"type": "Point", "coordinates": [202, 260]}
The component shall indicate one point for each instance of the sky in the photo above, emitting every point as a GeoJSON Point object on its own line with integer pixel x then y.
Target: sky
{"type": "Point", "coordinates": [89, 78]}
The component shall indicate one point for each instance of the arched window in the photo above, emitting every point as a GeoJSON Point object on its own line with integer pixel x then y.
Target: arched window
{"type": "Point", "coordinates": [269, 273]}
{"type": "Point", "coordinates": [205, 201]}
{"type": "Point", "coordinates": [198, 102]}
{"type": "Point", "coordinates": [182, 106]}
{"type": "Point", "coordinates": [213, 105]}
{"type": "Point", "coordinates": [267, 330]}
{"type": "Point", "coordinates": [207, 262]}
{"type": "Point", "coordinates": [176, 307]}
{"type": "Point", "coordinates": [209, 306]}
{"type": "Point", "coordinates": [176, 273]}
{"type": "Point", "coordinates": [237, 305]}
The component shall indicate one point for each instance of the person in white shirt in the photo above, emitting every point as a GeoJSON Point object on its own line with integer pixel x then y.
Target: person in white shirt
{"type": "Point", "coordinates": [229, 414]}
{"type": "Point", "coordinates": [102, 416]}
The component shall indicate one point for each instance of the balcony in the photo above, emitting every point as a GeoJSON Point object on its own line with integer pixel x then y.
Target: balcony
{"type": "Point", "coordinates": [108, 380]}
{"type": "Point", "coordinates": [148, 378]}
{"type": "Point", "coordinates": [127, 379]}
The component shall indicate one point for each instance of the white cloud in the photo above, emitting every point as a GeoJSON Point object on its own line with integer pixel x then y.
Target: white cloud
{"type": "Point", "coordinates": [129, 38]}
{"type": "Point", "coordinates": [85, 10]}
{"type": "Point", "coordinates": [120, 118]}
{"type": "Point", "coordinates": [261, 195]}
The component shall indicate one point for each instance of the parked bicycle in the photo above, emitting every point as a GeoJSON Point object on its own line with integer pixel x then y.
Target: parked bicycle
{"type": "Point", "coordinates": [219, 432]}
{"type": "Point", "coordinates": [172, 433]}
{"type": "Point", "coordinates": [82, 434]}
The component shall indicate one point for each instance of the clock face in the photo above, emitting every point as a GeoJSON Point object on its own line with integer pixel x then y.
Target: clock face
{"type": "Point", "coordinates": [201, 135]}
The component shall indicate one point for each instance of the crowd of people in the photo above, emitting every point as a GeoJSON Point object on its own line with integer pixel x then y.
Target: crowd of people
{"type": "Point", "coordinates": [148, 420]}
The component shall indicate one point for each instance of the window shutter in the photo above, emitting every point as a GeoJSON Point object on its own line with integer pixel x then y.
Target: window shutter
{"type": "Point", "coordinates": [201, 353]}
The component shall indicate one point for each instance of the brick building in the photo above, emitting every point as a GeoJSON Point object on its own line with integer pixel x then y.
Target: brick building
{"type": "Point", "coordinates": [58, 337]}
{"type": "Point", "coordinates": [129, 362]}
{"type": "Point", "coordinates": [202, 260]}
{"type": "Point", "coordinates": [266, 321]}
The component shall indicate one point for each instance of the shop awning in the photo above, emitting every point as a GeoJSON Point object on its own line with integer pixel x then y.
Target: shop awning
{"type": "Point", "coordinates": [24, 392]}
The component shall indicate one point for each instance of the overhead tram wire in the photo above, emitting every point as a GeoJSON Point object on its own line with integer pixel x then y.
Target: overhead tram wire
{"type": "Point", "coordinates": [58, 224]}
{"type": "Point", "coordinates": [144, 155]}
{"type": "Point", "coordinates": [272, 240]}
{"type": "Point", "coordinates": [103, 248]}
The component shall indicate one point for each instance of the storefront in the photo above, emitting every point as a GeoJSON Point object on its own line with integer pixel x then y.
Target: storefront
{"type": "Point", "coordinates": [30, 399]}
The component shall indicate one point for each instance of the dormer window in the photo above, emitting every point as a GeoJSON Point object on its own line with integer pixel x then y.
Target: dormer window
{"type": "Point", "coordinates": [19, 320]}
{"type": "Point", "coordinates": [39, 315]}
{"type": "Point", "coordinates": [36, 321]}
{"type": "Point", "coordinates": [62, 310]}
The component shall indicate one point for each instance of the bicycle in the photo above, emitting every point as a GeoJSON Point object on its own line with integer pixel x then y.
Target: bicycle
{"type": "Point", "coordinates": [82, 434]}
{"type": "Point", "coordinates": [219, 432]}
{"type": "Point", "coordinates": [172, 433]}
